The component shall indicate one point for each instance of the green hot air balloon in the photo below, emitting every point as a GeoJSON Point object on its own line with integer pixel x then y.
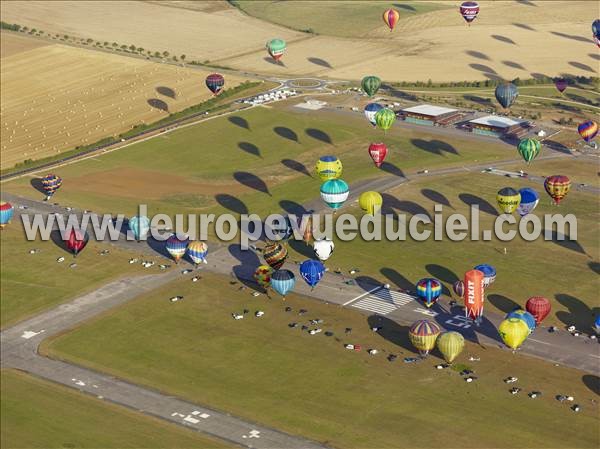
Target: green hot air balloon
{"type": "Point", "coordinates": [276, 48]}
{"type": "Point", "coordinates": [450, 345]}
{"type": "Point", "coordinates": [370, 84]}
{"type": "Point", "coordinates": [385, 118]}
{"type": "Point", "coordinates": [529, 149]}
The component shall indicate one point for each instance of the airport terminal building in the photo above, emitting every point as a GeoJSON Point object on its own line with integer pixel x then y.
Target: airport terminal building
{"type": "Point", "coordinates": [425, 114]}
{"type": "Point", "coordinates": [497, 126]}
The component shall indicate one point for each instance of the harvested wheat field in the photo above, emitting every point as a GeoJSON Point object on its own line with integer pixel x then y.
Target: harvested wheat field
{"type": "Point", "coordinates": [56, 97]}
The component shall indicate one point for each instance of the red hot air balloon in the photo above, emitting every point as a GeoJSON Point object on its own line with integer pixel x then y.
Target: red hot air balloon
{"type": "Point", "coordinates": [561, 84]}
{"type": "Point", "coordinates": [557, 186]}
{"type": "Point", "coordinates": [378, 151]}
{"type": "Point", "coordinates": [390, 17]}
{"type": "Point", "coordinates": [539, 307]}
{"type": "Point", "coordinates": [473, 294]}
{"type": "Point", "coordinates": [76, 241]}
{"type": "Point", "coordinates": [469, 11]}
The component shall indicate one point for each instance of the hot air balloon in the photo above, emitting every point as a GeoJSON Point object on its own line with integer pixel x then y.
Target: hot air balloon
{"type": "Point", "coordinates": [76, 241]}
{"type": "Point", "coordinates": [312, 271]}
{"type": "Point", "coordinates": [139, 226]}
{"type": "Point", "coordinates": [539, 307]}
{"type": "Point", "coordinates": [215, 83]}
{"type": "Point", "coordinates": [489, 274]}
{"type": "Point", "coordinates": [588, 130]}
{"type": "Point", "coordinates": [6, 213]}
{"type": "Point", "coordinates": [262, 276]}
{"type": "Point", "coordinates": [459, 288]}
{"type": "Point", "coordinates": [370, 202]}
{"type": "Point", "coordinates": [450, 344]}
{"type": "Point", "coordinates": [561, 84]}
{"type": "Point", "coordinates": [525, 316]}
{"type": "Point", "coordinates": [197, 251]}
{"type": "Point", "coordinates": [508, 200]}
{"type": "Point", "coordinates": [429, 290]}
{"type": "Point", "coordinates": [276, 48]}
{"type": "Point", "coordinates": [329, 167]}
{"type": "Point", "coordinates": [597, 324]}
{"type": "Point", "coordinates": [370, 110]}
{"type": "Point", "coordinates": [323, 249]}
{"type": "Point", "coordinates": [513, 332]}
{"type": "Point", "coordinates": [307, 234]}
{"type": "Point", "coordinates": [529, 201]}
{"type": "Point", "coordinates": [557, 187]}
{"type": "Point", "coordinates": [385, 119]}
{"type": "Point", "coordinates": [283, 281]}
{"type": "Point", "coordinates": [275, 254]}
{"type": "Point", "coordinates": [283, 229]}
{"type": "Point", "coordinates": [51, 183]}
{"type": "Point", "coordinates": [378, 151]}
{"type": "Point", "coordinates": [176, 245]}
{"type": "Point", "coordinates": [473, 294]}
{"type": "Point", "coordinates": [506, 94]}
{"type": "Point", "coordinates": [370, 84]}
{"type": "Point", "coordinates": [422, 335]}
{"type": "Point", "coordinates": [335, 193]}
{"type": "Point", "coordinates": [390, 17]}
{"type": "Point", "coordinates": [596, 31]}
{"type": "Point", "coordinates": [529, 149]}
{"type": "Point", "coordinates": [469, 11]}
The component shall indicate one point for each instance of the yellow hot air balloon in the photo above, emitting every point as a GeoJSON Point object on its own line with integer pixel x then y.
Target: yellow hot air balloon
{"type": "Point", "coordinates": [329, 167]}
{"type": "Point", "coordinates": [508, 200]}
{"type": "Point", "coordinates": [513, 332]}
{"type": "Point", "coordinates": [422, 334]}
{"type": "Point", "coordinates": [450, 345]}
{"type": "Point", "coordinates": [370, 202]}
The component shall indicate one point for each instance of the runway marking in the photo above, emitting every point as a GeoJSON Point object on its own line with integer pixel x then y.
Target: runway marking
{"type": "Point", "coordinates": [363, 295]}
{"type": "Point", "coordinates": [426, 312]}
{"type": "Point", "coordinates": [462, 321]}
{"type": "Point", "coordinates": [383, 301]}
{"type": "Point", "coordinates": [30, 334]}
{"type": "Point", "coordinates": [541, 342]}
{"type": "Point", "coordinates": [252, 434]}
{"type": "Point", "coordinates": [375, 305]}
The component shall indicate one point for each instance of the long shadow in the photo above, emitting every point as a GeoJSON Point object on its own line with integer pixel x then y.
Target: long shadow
{"type": "Point", "coordinates": [36, 183]}
{"type": "Point", "coordinates": [442, 273]}
{"type": "Point", "coordinates": [367, 283]}
{"type": "Point", "coordinates": [506, 40]}
{"type": "Point", "coordinates": [557, 146]}
{"type": "Point", "coordinates": [493, 77]}
{"type": "Point", "coordinates": [404, 6]}
{"type": "Point", "coordinates": [239, 121]}
{"type": "Point", "coordinates": [318, 134]}
{"type": "Point", "coordinates": [249, 148]}
{"type": "Point", "coordinates": [392, 332]}
{"type": "Point", "coordinates": [392, 169]}
{"type": "Point", "coordinates": [319, 61]}
{"type": "Point", "coordinates": [158, 104]}
{"type": "Point", "coordinates": [252, 181]}
{"type": "Point", "coordinates": [592, 382]}
{"type": "Point", "coordinates": [574, 37]}
{"type": "Point", "coordinates": [397, 279]}
{"type": "Point", "coordinates": [594, 56]}
{"type": "Point", "coordinates": [434, 146]}
{"type": "Point", "coordinates": [566, 107]}
{"type": "Point", "coordinates": [391, 202]}
{"type": "Point", "coordinates": [514, 65]}
{"type": "Point", "coordinates": [524, 26]}
{"type": "Point", "coordinates": [563, 240]}
{"type": "Point", "coordinates": [302, 248]}
{"type": "Point", "coordinates": [399, 93]}
{"type": "Point", "coordinates": [296, 166]}
{"type": "Point", "coordinates": [579, 314]}
{"type": "Point", "coordinates": [526, 2]}
{"type": "Point", "coordinates": [272, 61]}
{"type": "Point", "coordinates": [243, 271]}
{"type": "Point", "coordinates": [436, 197]}
{"type": "Point", "coordinates": [541, 76]}
{"type": "Point", "coordinates": [159, 247]}
{"type": "Point", "coordinates": [166, 91]}
{"type": "Point", "coordinates": [286, 133]}
{"type": "Point", "coordinates": [595, 267]}
{"type": "Point", "coordinates": [57, 239]}
{"type": "Point", "coordinates": [580, 99]}
{"type": "Point", "coordinates": [482, 68]}
{"type": "Point", "coordinates": [478, 55]}
{"type": "Point", "coordinates": [484, 206]}
{"type": "Point", "coordinates": [479, 100]}
{"type": "Point", "coordinates": [292, 207]}
{"type": "Point", "coordinates": [503, 303]}
{"type": "Point", "coordinates": [231, 203]}
{"type": "Point", "coordinates": [582, 66]}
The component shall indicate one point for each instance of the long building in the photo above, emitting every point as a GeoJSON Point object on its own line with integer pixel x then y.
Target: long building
{"type": "Point", "coordinates": [425, 114]}
{"type": "Point", "coordinates": [495, 125]}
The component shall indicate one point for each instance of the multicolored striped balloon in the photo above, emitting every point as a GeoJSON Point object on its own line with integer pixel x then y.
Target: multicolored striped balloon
{"type": "Point", "coordinates": [429, 290]}
{"type": "Point", "coordinates": [215, 83]}
{"type": "Point", "coordinates": [422, 335]}
{"type": "Point", "coordinates": [335, 193]}
{"type": "Point", "coordinates": [262, 276]}
{"type": "Point", "coordinates": [391, 17]}
{"type": "Point", "coordinates": [176, 245]}
{"type": "Point", "coordinates": [557, 186]}
{"type": "Point", "coordinates": [459, 288]}
{"type": "Point", "coordinates": [529, 149]}
{"type": "Point", "coordinates": [523, 315]}
{"type": "Point", "coordinates": [6, 213]}
{"type": "Point", "coordinates": [51, 183]}
{"type": "Point", "coordinates": [588, 130]}
{"type": "Point", "coordinates": [329, 167]}
{"type": "Point", "coordinates": [197, 251]}
{"type": "Point", "coordinates": [508, 200]}
{"type": "Point", "coordinates": [275, 254]}
{"type": "Point", "coordinates": [469, 11]}
{"type": "Point", "coordinates": [283, 282]}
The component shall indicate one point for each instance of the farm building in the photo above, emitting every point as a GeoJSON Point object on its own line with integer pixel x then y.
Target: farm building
{"type": "Point", "coordinates": [425, 114]}
{"type": "Point", "coordinates": [494, 125]}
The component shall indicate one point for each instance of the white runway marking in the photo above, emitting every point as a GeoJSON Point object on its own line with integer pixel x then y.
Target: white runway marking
{"type": "Point", "coordinates": [383, 301]}
{"type": "Point", "coordinates": [29, 334]}
{"type": "Point", "coordinates": [363, 295]}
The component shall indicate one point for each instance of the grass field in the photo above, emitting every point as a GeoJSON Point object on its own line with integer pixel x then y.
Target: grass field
{"type": "Point", "coordinates": [56, 97]}
{"type": "Point", "coordinates": [34, 282]}
{"type": "Point", "coordinates": [64, 418]}
{"type": "Point", "coordinates": [310, 385]}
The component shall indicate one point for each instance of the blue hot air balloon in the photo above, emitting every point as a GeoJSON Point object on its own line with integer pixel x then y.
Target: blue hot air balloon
{"type": "Point", "coordinates": [597, 325]}
{"type": "Point", "coordinates": [489, 274]}
{"type": "Point", "coordinates": [335, 193]}
{"type": "Point", "coordinates": [524, 315]}
{"type": "Point", "coordinates": [370, 110]}
{"type": "Point", "coordinates": [529, 201]}
{"type": "Point", "coordinates": [139, 225]}
{"type": "Point", "coordinates": [312, 271]}
{"type": "Point", "coordinates": [283, 282]}
{"type": "Point", "coordinates": [506, 94]}
{"type": "Point", "coordinates": [176, 245]}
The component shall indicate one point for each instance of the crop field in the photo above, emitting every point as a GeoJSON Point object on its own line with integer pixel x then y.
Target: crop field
{"type": "Point", "coordinates": [65, 419]}
{"type": "Point", "coordinates": [56, 97]}
{"type": "Point", "coordinates": [261, 369]}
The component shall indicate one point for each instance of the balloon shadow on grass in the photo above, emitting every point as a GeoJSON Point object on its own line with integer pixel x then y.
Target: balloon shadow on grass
{"type": "Point", "coordinates": [442, 273]}
{"type": "Point", "coordinates": [159, 247]}
{"type": "Point", "coordinates": [249, 148]}
{"type": "Point", "coordinates": [286, 133]}
{"type": "Point", "coordinates": [592, 382]}
{"type": "Point", "coordinates": [484, 206]}
{"type": "Point", "coordinates": [367, 283]}
{"type": "Point", "coordinates": [158, 104]}
{"type": "Point", "coordinates": [526, 2]}
{"type": "Point", "coordinates": [514, 65]}
{"type": "Point", "coordinates": [563, 241]}
{"type": "Point", "coordinates": [404, 6]}
{"type": "Point", "coordinates": [579, 314]}
{"type": "Point", "coordinates": [574, 37]}
{"type": "Point", "coordinates": [524, 26]}
{"type": "Point", "coordinates": [482, 68]}
{"type": "Point", "coordinates": [252, 181]}
{"type": "Point", "coordinates": [272, 61]}
{"type": "Point", "coordinates": [434, 146]}
{"type": "Point", "coordinates": [582, 66]}
{"type": "Point", "coordinates": [318, 135]}
{"type": "Point", "coordinates": [37, 184]}
{"type": "Point", "coordinates": [397, 279]}
{"type": "Point", "coordinates": [503, 303]}
{"type": "Point", "coordinates": [231, 203]}
{"type": "Point", "coordinates": [478, 55]}
{"type": "Point", "coordinates": [302, 248]}
{"type": "Point", "coordinates": [595, 267]}
{"type": "Point", "coordinates": [594, 56]}
{"type": "Point", "coordinates": [436, 197]}
{"type": "Point", "coordinates": [292, 207]}
{"type": "Point", "coordinates": [296, 166]}
{"type": "Point", "coordinates": [244, 270]}
{"type": "Point", "coordinates": [506, 40]}
{"type": "Point", "coordinates": [392, 169]}
{"type": "Point", "coordinates": [391, 203]}
{"type": "Point", "coordinates": [319, 61]}
{"type": "Point", "coordinates": [166, 91]}
{"type": "Point", "coordinates": [392, 332]}
{"type": "Point", "coordinates": [479, 100]}
{"type": "Point", "coordinates": [239, 121]}
{"type": "Point", "coordinates": [57, 239]}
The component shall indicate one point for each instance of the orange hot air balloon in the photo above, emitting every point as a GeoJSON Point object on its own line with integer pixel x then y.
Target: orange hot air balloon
{"type": "Point", "coordinates": [390, 17]}
{"type": "Point", "coordinates": [307, 235]}
{"type": "Point", "coordinates": [474, 294]}
{"type": "Point", "coordinates": [557, 186]}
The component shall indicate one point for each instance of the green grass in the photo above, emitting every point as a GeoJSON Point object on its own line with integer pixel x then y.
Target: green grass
{"type": "Point", "coordinates": [352, 19]}
{"type": "Point", "coordinates": [31, 283]}
{"type": "Point", "coordinates": [262, 370]}
{"type": "Point", "coordinates": [39, 414]}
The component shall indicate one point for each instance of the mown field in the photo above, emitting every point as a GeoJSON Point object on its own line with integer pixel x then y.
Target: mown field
{"type": "Point", "coordinates": [56, 97]}
{"type": "Point", "coordinates": [261, 369]}
{"type": "Point", "coordinates": [63, 418]}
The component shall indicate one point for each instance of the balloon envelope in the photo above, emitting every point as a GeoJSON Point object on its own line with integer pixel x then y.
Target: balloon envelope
{"type": "Point", "coordinates": [561, 84]}
{"type": "Point", "coordinates": [176, 245]}
{"type": "Point", "coordinates": [276, 48]}
{"type": "Point", "coordinates": [423, 334]}
{"type": "Point", "coordinates": [525, 316]}
{"type": "Point", "coordinates": [473, 294]}
{"type": "Point", "coordinates": [429, 290]}
{"type": "Point", "coordinates": [450, 344]}
{"type": "Point", "coordinates": [262, 276]}
{"type": "Point", "coordinates": [323, 248]}
{"type": "Point", "coordinates": [539, 307]}
{"type": "Point", "coordinates": [51, 183]}
{"type": "Point", "coordinates": [385, 119]}
{"type": "Point", "coordinates": [335, 193]}
{"type": "Point", "coordinates": [370, 110]}
{"type": "Point", "coordinates": [370, 202]}
{"type": "Point", "coordinates": [370, 84]}
{"type": "Point", "coordinates": [312, 271]}
{"type": "Point", "coordinates": [506, 94]}
{"type": "Point", "coordinates": [529, 149]}
{"type": "Point", "coordinates": [588, 130]}
{"type": "Point", "coordinates": [76, 241]}
{"type": "Point", "coordinates": [390, 17]}
{"type": "Point", "coordinates": [328, 167]}
{"type": "Point", "coordinates": [508, 200]}
{"type": "Point", "coordinates": [557, 186]}
{"type": "Point", "coordinates": [489, 274]}
{"type": "Point", "coordinates": [469, 11]}
{"type": "Point", "coordinates": [378, 152]}
{"type": "Point", "coordinates": [529, 201]}
{"type": "Point", "coordinates": [197, 251]}
{"type": "Point", "coordinates": [139, 226]}
{"type": "Point", "coordinates": [459, 288]}
{"type": "Point", "coordinates": [6, 213]}
{"type": "Point", "coordinates": [283, 282]}
{"type": "Point", "coordinates": [275, 254]}
{"type": "Point", "coordinates": [513, 332]}
{"type": "Point", "coordinates": [215, 83]}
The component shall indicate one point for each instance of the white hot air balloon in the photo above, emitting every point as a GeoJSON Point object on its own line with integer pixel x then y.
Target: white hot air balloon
{"type": "Point", "coordinates": [323, 249]}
